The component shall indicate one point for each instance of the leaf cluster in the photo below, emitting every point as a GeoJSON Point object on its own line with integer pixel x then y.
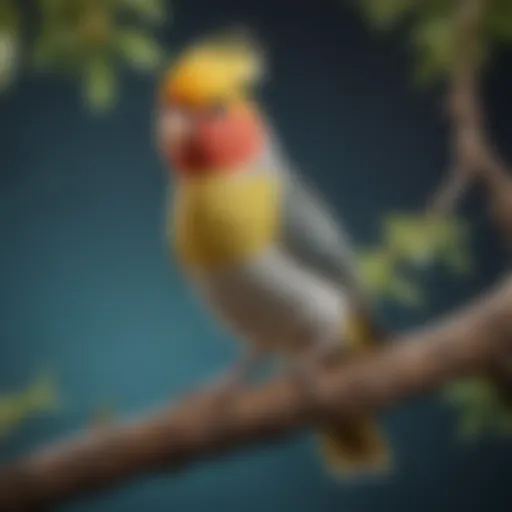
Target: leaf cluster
{"type": "Point", "coordinates": [431, 30]}
{"type": "Point", "coordinates": [87, 39]}
{"type": "Point", "coordinates": [412, 243]}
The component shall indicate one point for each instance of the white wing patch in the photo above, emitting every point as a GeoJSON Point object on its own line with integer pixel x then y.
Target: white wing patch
{"type": "Point", "coordinates": [275, 302]}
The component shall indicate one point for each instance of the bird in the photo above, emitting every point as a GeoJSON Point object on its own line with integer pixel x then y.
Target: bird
{"type": "Point", "coordinates": [259, 245]}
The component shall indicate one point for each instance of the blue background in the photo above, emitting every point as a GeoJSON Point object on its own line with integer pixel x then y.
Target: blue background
{"type": "Point", "coordinates": [87, 288]}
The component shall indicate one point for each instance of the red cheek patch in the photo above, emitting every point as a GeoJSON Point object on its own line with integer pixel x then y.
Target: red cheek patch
{"type": "Point", "coordinates": [229, 140]}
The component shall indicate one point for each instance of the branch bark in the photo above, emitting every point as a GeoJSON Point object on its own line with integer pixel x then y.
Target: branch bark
{"type": "Point", "coordinates": [474, 158]}
{"type": "Point", "coordinates": [463, 105]}
{"type": "Point", "coordinates": [463, 344]}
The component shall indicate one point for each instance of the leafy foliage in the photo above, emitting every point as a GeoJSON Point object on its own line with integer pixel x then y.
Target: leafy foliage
{"type": "Point", "coordinates": [480, 408]}
{"type": "Point", "coordinates": [433, 40]}
{"type": "Point", "coordinates": [16, 408]}
{"type": "Point", "coordinates": [10, 42]}
{"type": "Point", "coordinates": [423, 239]}
{"type": "Point", "coordinates": [431, 30]}
{"type": "Point", "coordinates": [152, 11]}
{"type": "Point", "coordinates": [413, 242]}
{"type": "Point", "coordinates": [387, 14]}
{"type": "Point", "coordinates": [142, 53]}
{"type": "Point", "coordinates": [431, 27]}
{"type": "Point", "coordinates": [383, 278]}
{"type": "Point", "coordinates": [499, 21]}
{"type": "Point", "coordinates": [87, 39]}
{"type": "Point", "coordinates": [419, 241]}
{"type": "Point", "coordinates": [100, 83]}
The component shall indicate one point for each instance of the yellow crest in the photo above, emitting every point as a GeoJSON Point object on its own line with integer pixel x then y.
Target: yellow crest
{"type": "Point", "coordinates": [220, 68]}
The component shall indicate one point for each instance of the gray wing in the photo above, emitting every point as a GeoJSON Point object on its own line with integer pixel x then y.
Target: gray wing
{"type": "Point", "coordinates": [311, 232]}
{"type": "Point", "coordinates": [313, 235]}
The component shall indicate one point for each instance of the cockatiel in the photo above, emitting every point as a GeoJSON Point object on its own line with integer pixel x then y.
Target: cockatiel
{"type": "Point", "coordinates": [259, 245]}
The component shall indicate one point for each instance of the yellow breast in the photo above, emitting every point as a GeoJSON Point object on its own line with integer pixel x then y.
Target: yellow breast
{"type": "Point", "coordinates": [223, 220]}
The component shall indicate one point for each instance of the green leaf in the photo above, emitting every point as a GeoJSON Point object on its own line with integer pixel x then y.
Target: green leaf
{"type": "Point", "coordinates": [44, 392]}
{"type": "Point", "coordinates": [406, 292]}
{"type": "Point", "coordinates": [376, 270]}
{"type": "Point", "coordinates": [459, 392]}
{"type": "Point", "coordinates": [62, 13]}
{"type": "Point", "coordinates": [380, 275]}
{"type": "Point", "coordinates": [451, 236]}
{"type": "Point", "coordinates": [428, 71]}
{"type": "Point", "coordinates": [407, 236]}
{"type": "Point", "coordinates": [100, 84]}
{"type": "Point", "coordinates": [386, 14]}
{"type": "Point", "coordinates": [472, 392]}
{"type": "Point", "coordinates": [61, 44]}
{"type": "Point", "coordinates": [422, 240]}
{"type": "Point", "coordinates": [49, 48]}
{"type": "Point", "coordinates": [153, 11]}
{"type": "Point", "coordinates": [434, 39]}
{"type": "Point", "coordinates": [9, 14]}
{"type": "Point", "coordinates": [9, 50]}
{"type": "Point", "coordinates": [499, 21]}
{"type": "Point", "coordinates": [142, 52]}
{"type": "Point", "coordinates": [480, 407]}
{"type": "Point", "coordinates": [10, 42]}
{"type": "Point", "coordinates": [18, 407]}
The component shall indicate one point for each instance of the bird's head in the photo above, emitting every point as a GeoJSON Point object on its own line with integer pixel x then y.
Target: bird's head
{"type": "Point", "coordinates": [208, 119]}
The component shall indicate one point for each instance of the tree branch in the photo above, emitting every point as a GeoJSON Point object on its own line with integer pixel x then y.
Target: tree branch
{"type": "Point", "coordinates": [474, 159]}
{"type": "Point", "coordinates": [461, 345]}
{"type": "Point", "coordinates": [473, 155]}
{"type": "Point", "coordinates": [463, 106]}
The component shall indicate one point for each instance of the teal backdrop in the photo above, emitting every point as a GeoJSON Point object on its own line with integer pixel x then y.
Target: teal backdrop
{"type": "Point", "coordinates": [87, 289]}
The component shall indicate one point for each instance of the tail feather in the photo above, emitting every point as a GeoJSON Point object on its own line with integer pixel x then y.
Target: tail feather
{"type": "Point", "coordinates": [355, 448]}
{"type": "Point", "coordinates": [358, 446]}
{"type": "Point", "coordinates": [363, 333]}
